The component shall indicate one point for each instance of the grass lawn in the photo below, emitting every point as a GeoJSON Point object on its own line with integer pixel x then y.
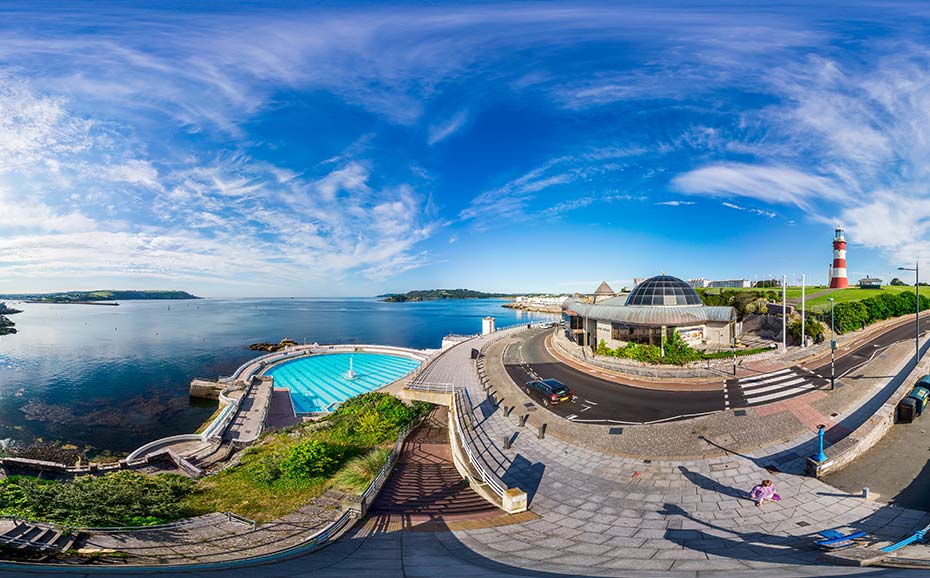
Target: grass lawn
{"type": "Point", "coordinates": [793, 292]}
{"type": "Point", "coordinates": [856, 294]}
{"type": "Point", "coordinates": [260, 487]}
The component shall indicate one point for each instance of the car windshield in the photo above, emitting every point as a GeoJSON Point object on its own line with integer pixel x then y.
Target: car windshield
{"type": "Point", "coordinates": [556, 387]}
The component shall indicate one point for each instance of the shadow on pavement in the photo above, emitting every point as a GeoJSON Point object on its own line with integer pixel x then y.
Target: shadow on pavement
{"type": "Point", "coordinates": [706, 483]}
{"type": "Point", "coordinates": [525, 475]}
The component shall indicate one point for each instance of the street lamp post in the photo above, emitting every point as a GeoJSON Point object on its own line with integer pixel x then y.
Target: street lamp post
{"type": "Point", "coordinates": [916, 270]}
{"type": "Point", "coordinates": [832, 347]}
{"type": "Point", "coordinates": [784, 313]}
{"type": "Point", "coordinates": [803, 335]}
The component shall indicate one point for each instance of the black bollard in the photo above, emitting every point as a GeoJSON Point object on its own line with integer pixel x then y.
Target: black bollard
{"type": "Point", "coordinates": [542, 432]}
{"type": "Point", "coordinates": [508, 411]}
{"type": "Point", "coordinates": [507, 442]}
{"type": "Point", "coordinates": [523, 419]}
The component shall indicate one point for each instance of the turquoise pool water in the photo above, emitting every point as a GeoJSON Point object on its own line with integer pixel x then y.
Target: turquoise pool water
{"type": "Point", "coordinates": [317, 382]}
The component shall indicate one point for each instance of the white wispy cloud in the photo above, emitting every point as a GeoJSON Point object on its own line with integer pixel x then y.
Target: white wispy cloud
{"type": "Point", "coordinates": [848, 144]}
{"type": "Point", "coordinates": [442, 131]}
{"type": "Point", "coordinates": [762, 212]}
{"type": "Point", "coordinates": [533, 192]}
{"type": "Point", "coordinates": [676, 203]}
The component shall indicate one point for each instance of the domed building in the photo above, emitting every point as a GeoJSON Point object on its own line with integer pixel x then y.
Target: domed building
{"type": "Point", "coordinates": [657, 306]}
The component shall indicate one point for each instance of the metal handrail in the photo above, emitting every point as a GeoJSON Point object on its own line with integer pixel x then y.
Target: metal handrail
{"type": "Point", "coordinates": [492, 481]}
{"type": "Point", "coordinates": [185, 523]}
{"type": "Point", "coordinates": [385, 470]}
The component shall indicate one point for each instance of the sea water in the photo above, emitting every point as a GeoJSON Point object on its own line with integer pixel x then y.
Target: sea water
{"type": "Point", "coordinates": [117, 377]}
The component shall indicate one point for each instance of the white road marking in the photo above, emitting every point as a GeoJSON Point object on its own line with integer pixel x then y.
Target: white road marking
{"type": "Point", "coordinates": [765, 375]}
{"type": "Point", "coordinates": [573, 416]}
{"type": "Point", "coordinates": [789, 393]}
{"type": "Point", "coordinates": [589, 401]}
{"type": "Point", "coordinates": [763, 389]}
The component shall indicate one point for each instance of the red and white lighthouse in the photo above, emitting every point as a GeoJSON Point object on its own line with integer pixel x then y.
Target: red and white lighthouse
{"type": "Point", "coordinates": [838, 279]}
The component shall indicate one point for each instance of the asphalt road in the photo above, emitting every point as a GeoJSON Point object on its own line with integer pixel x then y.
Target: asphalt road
{"type": "Point", "coordinates": [600, 400]}
{"type": "Point", "coordinates": [597, 399]}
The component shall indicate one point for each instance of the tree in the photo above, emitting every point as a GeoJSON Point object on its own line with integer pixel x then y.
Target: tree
{"type": "Point", "coordinates": [897, 282]}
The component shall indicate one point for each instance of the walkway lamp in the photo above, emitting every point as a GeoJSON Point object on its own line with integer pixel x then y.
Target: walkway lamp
{"type": "Point", "coordinates": [820, 457]}
{"type": "Point", "coordinates": [916, 270]}
{"type": "Point", "coordinates": [803, 336]}
{"type": "Point", "coordinates": [832, 346]}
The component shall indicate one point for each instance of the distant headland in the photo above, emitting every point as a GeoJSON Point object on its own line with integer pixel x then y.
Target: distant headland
{"type": "Point", "coordinates": [98, 297]}
{"type": "Point", "coordinates": [437, 294]}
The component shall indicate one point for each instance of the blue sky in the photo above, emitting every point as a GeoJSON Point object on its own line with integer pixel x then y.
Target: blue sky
{"type": "Point", "coordinates": [321, 149]}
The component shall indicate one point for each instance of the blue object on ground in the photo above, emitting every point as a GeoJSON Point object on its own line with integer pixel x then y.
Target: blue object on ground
{"type": "Point", "coordinates": [916, 536]}
{"type": "Point", "coordinates": [836, 540]}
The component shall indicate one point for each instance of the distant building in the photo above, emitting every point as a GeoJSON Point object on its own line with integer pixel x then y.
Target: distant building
{"type": "Point", "coordinates": [870, 283]}
{"type": "Point", "coordinates": [603, 292]}
{"type": "Point", "coordinates": [698, 283]}
{"type": "Point", "coordinates": [637, 281]}
{"type": "Point", "coordinates": [655, 308]}
{"type": "Point", "coordinates": [735, 283]}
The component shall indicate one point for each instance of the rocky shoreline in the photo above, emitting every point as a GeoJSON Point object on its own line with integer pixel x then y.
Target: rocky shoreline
{"type": "Point", "coordinates": [533, 308]}
{"type": "Point", "coordinates": [7, 327]}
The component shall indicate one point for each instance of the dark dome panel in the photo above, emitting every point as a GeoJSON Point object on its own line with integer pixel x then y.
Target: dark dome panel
{"type": "Point", "coordinates": [663, 290]}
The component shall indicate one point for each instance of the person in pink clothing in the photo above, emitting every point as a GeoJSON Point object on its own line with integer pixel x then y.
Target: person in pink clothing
{"type": "Point", "coordinates": [764, 491]}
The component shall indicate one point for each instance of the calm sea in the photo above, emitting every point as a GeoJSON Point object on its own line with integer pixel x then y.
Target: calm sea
{"type": "Point", "coordinates": [117, 377]}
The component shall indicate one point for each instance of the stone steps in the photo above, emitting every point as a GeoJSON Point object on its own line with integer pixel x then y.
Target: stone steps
{"type": "Point", "coordinates": [25, 536]}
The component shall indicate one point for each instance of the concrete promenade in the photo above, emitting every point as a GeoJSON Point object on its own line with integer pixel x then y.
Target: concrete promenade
{"type": "Point", "coordinates": [609, 515]}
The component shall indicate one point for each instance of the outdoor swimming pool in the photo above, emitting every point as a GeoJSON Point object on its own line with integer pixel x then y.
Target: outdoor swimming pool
{"type": "Point", "coordinates": [317, 382]}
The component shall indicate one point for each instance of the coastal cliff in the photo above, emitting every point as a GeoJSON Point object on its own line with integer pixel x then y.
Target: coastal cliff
{"type": "Point", "coordinates": [439, 294]}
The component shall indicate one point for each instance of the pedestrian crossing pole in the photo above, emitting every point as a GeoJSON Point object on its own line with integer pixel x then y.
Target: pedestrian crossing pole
{"type": "Point", "coordinates": [784, 313]}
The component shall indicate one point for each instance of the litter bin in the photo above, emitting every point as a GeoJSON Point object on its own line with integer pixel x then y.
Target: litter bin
{"type": "Point", "coordinates": [475, 353]}
{"type": "Point", "coordinates": [907, 409]}
{"type": "Point", "coordinates": [921, 394]}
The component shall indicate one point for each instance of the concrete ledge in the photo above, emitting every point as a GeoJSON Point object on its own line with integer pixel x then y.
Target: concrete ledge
{"type": "Point", "coordinates": [871, 431]}
{"type": "Point", "coordinates": [856, 556]}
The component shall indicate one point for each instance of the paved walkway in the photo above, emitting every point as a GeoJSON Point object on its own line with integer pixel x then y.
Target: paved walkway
{"type": "Point", "coordinates": [610, 515]}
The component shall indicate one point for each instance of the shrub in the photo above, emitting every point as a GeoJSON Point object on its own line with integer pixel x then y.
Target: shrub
{"type": "Point", "coordinates": [312, 458]}
{"type": "Point", "coordinates": [114, 499]}
{"type": "Point", "coordinates": [359, 472]}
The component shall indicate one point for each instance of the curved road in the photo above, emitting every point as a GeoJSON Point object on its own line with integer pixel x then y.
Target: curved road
{"type": "Point", "coordinates": [601, 400]}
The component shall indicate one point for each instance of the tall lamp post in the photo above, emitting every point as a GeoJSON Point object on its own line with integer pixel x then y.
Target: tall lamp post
{"type": "Point", "coordinates": [832, 347]}
{"type": "Point", "coordinates": [784, 313]}
{"type": "Point", "coordinates": [803, 335]}
{"type": "Point", "coordinates": [916, 270]}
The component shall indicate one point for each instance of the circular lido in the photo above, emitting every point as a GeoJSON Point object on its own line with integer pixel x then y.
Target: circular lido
{"type": "Point", "coordinates": [318, 383]}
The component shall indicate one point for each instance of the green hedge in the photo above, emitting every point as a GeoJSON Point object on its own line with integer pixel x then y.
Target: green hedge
{"type": "Point", "coordinates": [677, 352]}
{"type": "Point", "coordinates": [124, 498]}
{"type": "Point", "coordinates": [853, 315]}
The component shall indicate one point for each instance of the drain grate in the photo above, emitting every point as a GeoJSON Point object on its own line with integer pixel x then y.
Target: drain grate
{"type": "Point", "coordinates": [615, 431]}
{"type": "Point", "coordinates": [802, 523]}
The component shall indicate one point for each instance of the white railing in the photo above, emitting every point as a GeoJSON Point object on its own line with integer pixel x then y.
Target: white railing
{"type": "Point", "coordinates": [434, 387]}
{"type": "Point", "coordinates": [493, 482]}
{"type": "Point", "coordinates": [222, 420]}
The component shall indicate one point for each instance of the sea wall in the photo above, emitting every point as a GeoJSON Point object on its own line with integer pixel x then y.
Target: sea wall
{"type": "Point", "coordinates": [206, 388]}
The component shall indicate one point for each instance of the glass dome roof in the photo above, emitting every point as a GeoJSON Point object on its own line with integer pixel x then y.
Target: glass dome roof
{"type": "Point", "coordinates": [663, 290]}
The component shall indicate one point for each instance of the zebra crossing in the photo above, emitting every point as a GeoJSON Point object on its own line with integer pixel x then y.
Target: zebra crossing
{"type": "Point", "coordinates": [769, 387]}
